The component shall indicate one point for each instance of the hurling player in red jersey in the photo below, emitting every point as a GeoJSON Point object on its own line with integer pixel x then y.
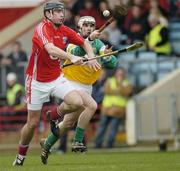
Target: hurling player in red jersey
{"type": "Point", "coordinates": [43, 77]}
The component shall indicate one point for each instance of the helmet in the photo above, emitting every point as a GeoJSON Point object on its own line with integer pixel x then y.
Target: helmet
{"type": "Point", "coordinates": [50, 6]}
{"type": "Point", "coordinates": [86, 19]}
{"type": "Point", "coordinates": [53, 5]}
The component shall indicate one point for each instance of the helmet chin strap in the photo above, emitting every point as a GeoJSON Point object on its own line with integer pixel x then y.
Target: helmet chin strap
{"type": "Point", "coordinates": [84, 36]}
{"type": "Point", "coordinates": [80, 32]}
{"type": "Point", "coordinates": [55, 24]}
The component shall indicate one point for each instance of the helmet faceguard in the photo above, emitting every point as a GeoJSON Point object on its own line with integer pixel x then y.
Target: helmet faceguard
{"type": "Point", "coordinates": [85, 19]}
{"type": "Point", "coordinates": [51, 6]}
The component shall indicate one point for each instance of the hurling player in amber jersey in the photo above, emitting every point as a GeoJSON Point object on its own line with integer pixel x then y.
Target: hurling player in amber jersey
{"type": "Point", "coordinates": [43, 77]}
{"type": "Point", "coordinates": [82, 77]}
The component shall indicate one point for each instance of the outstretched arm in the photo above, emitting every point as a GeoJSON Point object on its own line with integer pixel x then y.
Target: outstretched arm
{"type": "Point", "coordinates": [57, 53]}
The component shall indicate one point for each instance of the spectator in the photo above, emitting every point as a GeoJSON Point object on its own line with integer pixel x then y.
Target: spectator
{"type": "Point", "coordinates": [77, 6]}
{"type": "Point", "coordinates": [4, 61]}
{"type": "Point", "coordinates": [162, 20]}
{"type": "Point", "coordinates": [143, 4]}
{"type": "Point", "coordinates": [15, 103]}
{"type": "Point", "coordinates": [161, 5]}
{"type": "Point", "coordinates": [17, 55]}
{"type": "Point", "coordinates": [117, 89]}
{"type": "Point", "coordinates": [144, 10]}
{"type": "Point", "coordinates": [15, 91]}
{"type": "Point", "coordinates": [90, 10]}
{"type": "Point", "coordinates": [178, 7]}
{"type": "Point", "coordinates": [165, 4]}
{"type": "Point", "coordinates": [69, 3]}
{"type": "Point", "coordinates": [138, 26]}
{"type": "Point", "coordinates": [69, 19]}
{"type": "Point", "coordinates": [156, 9]}
{"type": "Point", "coordinates": [157, 39]}
{"type": "Point", "coordinates": [174, 8]}
{"type": "Point", "coordinates": [98, 95]}
{"type": "Point", "coordinates": [100, 19]}
{"type": "Point", "coordinates": [97, 92]}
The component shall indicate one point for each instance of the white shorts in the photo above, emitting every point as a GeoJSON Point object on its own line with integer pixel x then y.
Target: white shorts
{"type": "Point", "coordinates": [38, 93]}
{"type": "Point", "coordinates": [84, 87]}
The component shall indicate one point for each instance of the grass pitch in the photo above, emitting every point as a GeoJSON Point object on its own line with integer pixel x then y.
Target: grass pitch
{"type": "Point", "coordinates": [97, 161]}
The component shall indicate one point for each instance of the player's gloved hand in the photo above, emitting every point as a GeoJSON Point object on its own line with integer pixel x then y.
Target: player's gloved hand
{"type": "Point", "coordinates": [76, 60]}
{"type": "Point", "coordinates": [94, 64]}
{"type": "Point", "coordinates": [107, 50]}
{"type": "Point", "coordinates": [94, 35]}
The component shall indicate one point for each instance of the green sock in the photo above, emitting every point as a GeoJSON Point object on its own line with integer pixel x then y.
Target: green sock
{"type": "Point", "coordinates": [79, 134]}
{"type": "Point", "coordinates": [50, 141]}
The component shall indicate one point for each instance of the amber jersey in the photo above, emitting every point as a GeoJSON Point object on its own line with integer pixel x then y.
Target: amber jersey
{"type": "Point", "coordinates": [85, 74]}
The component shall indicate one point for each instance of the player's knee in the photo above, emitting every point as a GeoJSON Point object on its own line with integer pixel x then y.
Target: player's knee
{"type": "Point", "coordinates": [33, 119]}
{"type": "Point", "coordinates": [78, 102]}
{"type": "Point", "coordinates": [92, 106]}
{"type": "Point", "coordinates": [32, 124]}
{"type": "Point", "coordinates": [74, 99]}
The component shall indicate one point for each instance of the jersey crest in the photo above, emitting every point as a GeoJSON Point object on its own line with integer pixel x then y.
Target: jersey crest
{"type": "Point", "coordinates": [64, 40]}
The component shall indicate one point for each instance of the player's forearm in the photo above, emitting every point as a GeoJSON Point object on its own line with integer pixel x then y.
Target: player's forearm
{"type": "Point", "coordinates": [88, 48]}
{"type": "Point", "coordinates": [56, 52]}
{"type": "Point", "coordinates": [110, 62]}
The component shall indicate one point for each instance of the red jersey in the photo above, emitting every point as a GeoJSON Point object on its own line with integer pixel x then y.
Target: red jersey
{"type": "Point", "coordinates": [41, 67]}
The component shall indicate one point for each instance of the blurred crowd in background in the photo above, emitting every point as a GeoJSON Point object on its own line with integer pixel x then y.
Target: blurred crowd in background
{"type": "Point", "coordinates": [147, 20]}
{"type": "Point", "coordinates": [141, 18]}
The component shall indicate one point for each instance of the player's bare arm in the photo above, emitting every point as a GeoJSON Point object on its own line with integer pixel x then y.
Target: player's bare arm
{"type": "Point", "coordinates": [94, 35]}
{"type": "Point", "coordinates": [57, 53]}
